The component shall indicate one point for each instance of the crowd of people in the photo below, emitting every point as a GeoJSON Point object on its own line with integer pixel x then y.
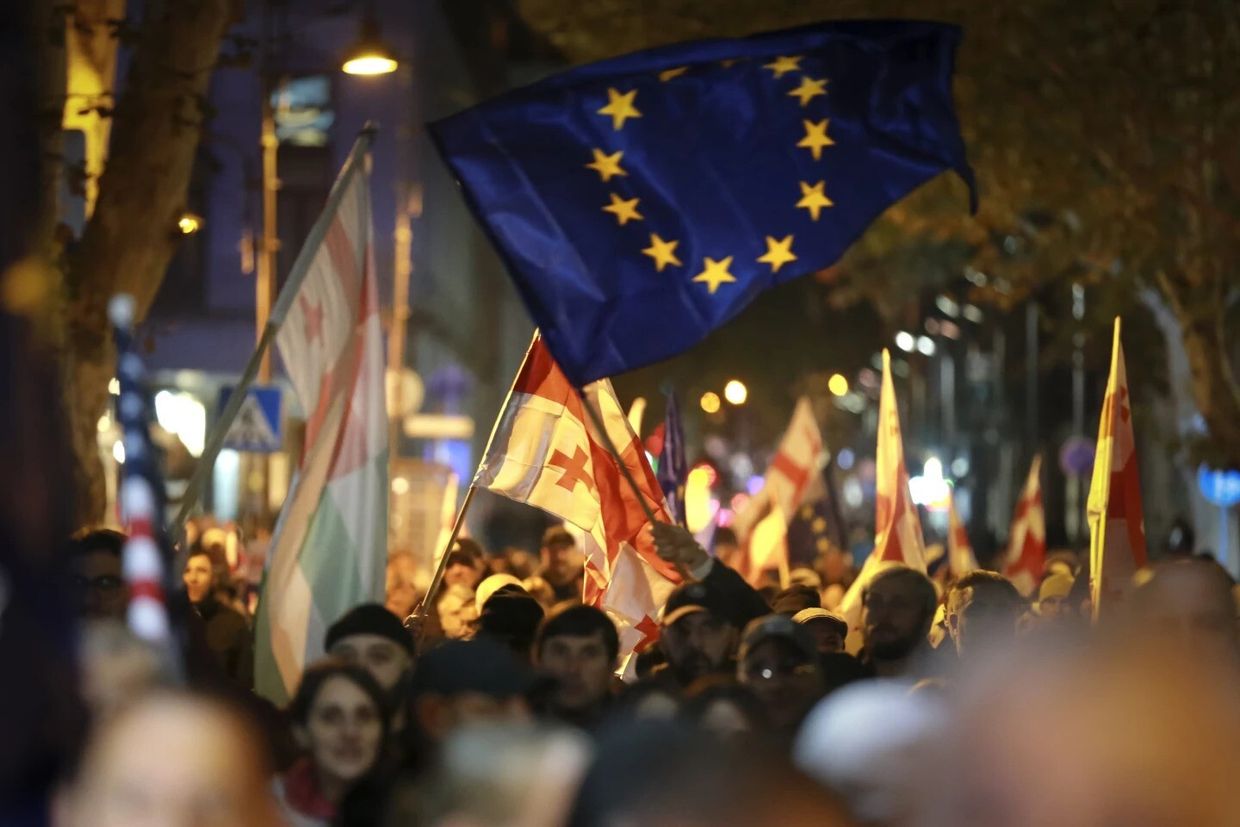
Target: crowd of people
{"type": "Point", "coordinates": [501, 703]}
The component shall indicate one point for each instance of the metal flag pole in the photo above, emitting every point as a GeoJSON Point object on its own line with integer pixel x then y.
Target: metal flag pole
{"type": "Point", "coordinates": [215, 441]}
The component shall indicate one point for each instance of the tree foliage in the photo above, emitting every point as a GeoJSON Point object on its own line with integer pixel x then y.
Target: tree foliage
{"type": "Point", "coordinates": [1102, 133]}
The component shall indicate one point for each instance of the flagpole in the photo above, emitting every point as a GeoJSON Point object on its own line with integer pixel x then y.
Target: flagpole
{"type": "Point", "coordinates": [428, 599]}
{"type": "Point", "coordinates": [215, 441]}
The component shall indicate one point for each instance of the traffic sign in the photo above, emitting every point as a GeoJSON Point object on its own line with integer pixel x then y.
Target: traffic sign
{"type": "Point", "coordinates": [257, 426]}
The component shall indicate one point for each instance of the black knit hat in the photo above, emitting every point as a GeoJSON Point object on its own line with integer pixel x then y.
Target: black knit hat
{"type": "Point", "coordinates": [369, 619]}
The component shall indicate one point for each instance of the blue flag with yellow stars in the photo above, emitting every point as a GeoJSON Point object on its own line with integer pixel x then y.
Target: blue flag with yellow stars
{"type": "Point", "coordinates": [641, 202]}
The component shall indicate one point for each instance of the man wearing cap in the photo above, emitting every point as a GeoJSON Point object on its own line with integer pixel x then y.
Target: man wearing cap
{"type": "Point", "coordinates": [563, 566]}
{"type": "Point", "coordinates": [778, 661]}
{"type": "Point", "coordinates": [828, 629]}
{"type": "Point", "coordinates": [702, 618]}
{"type": "Point", "coordinates": [373, 638]}
{"type": "Point", "coordinates": [463, 682]}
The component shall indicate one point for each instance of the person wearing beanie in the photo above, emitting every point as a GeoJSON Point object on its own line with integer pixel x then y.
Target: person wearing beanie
{"type": "Point", "coordinates": [372, 637]}
{"type": "Point", "coordinates": [510, 616]}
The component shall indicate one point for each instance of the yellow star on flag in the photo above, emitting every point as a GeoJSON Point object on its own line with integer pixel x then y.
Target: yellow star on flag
{"type": "Point", "coordinates": [624, 211]}
{"type": "Point", "coordinates": [815, 137]}
{"type": "Point", "coordinates": [783, 65]}
{"type": "Point", "coordinates": [663, 252]}
{"type": "Point", "coordinates": [620, 107]}
{"type": "Point", "coordinates": [808, 90]}
{"type": "Point", "coordinates": [715, 274]}
{"type": "Point", "coordinates": [778, 252]}
{"type": "Point", "coordinates": [607, 166]}
{"type": "Point", "coordinates": [814, 199]}
{"type": "Point", "coordinates": [675, 72]}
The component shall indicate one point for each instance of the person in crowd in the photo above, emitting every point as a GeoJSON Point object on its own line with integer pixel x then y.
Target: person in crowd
{"type": "Point", "coordinates": [578, 646]}
{"type": "Point", "coordinates": [95, 564]}
{"type": "Point", "coordinates": [725, 708]}
{"type": "Point", "coordinates": [828, 629]}
{"type": "Point", "coordinates": [661, 774]}
{"type": "Point", "coordinates": [499, 775]}
{"type": "Point", "coordinates": [778, 661]}
{"type": "Point", "coordinates": [649, 699]}
{"type": "Point", "coordinates": [465, 682]}
{"type": "Point", "coordinates": [466, 566]}
{"type": "Point", "coordinates": [456, 608]}
{"type": "Point", "coordinates": [228, 634]}
{"type": "Point", "coordinates": [983, 608]}
{"type": "Point", "coordinates": [1053, 609]}
{"type": "Point", "coordinates": [511, 617]}
{"type": "Point", "coordinates": [341, 721]}
{"type": "Point", "coordinates": [492, 584]}
{"type": "Point", "coordinates": [562, 563]}
{"type": "Point", "coordinates": [804, 576]}
{"type": "Point", "coordinates": [726, 548]}
{"type": "Point", "coordinates": [371, 637]}
{"type": "Point", "coordinates": [400, 593]}
{"type": "Point", "coordinates": [171, 759]}
{"type": "Point", "coordinates": [897, 608]}
{"type": "Point", "coordinates": [1189, 601]}
{"type": "Point", "coordinates": [796, 598]}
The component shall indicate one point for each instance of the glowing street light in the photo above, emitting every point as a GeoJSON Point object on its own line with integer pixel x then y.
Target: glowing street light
{"type": "Point", "coordinates": [735, 392]}
{"type": "Point", "coordinates": [710, 402]}
{"type": "Point", "coordinates": [189, 223]}
{"type": "Point", "coordinates": [905, 341]}
{"type": "Point", "coordinates": [837, 384]}
{"type": "Point", "coordinates": [369, 55]}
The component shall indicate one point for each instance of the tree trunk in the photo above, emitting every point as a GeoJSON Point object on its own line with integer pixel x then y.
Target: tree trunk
{"type": "Point", "coordinates": [1215, 389]}
{"type": "Point", "coordinates": [132, 235]}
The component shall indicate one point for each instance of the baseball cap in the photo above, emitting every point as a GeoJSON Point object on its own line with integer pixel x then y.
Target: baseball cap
{"type": "Point", "coordinates": [369, 619]}
{"type": "Point", "coordinates": [810, 615]}
{"type": "Point", "coordinates": [689, 598]}
{"type": "Point", "coordinates": [776, 627]}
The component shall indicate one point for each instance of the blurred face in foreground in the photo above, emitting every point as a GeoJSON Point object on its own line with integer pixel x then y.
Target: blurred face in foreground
{"type": "Point", "coordinates": [172, 761]}
{"type": "Point", "coordinates": [698, 644]}
{"type": "Point", "coordinates": [981, 615]}
{"type": "Point", "coordinates": [581, 667]}
{"type": "Point", "coordinates": [1190, 606]}
{"type": "Point", "coordinates": [101, 588]}
{"type": "Point", "coordinates": [894, 618]}
{"type": "Point", "coordinates": [386, 661]}
{"type": "Point", "coordinates": [343, 731]}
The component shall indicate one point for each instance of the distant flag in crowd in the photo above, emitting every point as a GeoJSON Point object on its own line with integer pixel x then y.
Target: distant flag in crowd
{"type": "Point", "coordinates": [641, 202]}
{"type": "Point", "coordinates": [763, 525]}
{"type": "Point", "coordinates": [673, 468]}
{"type": "Point", "coordinates": [897, 527]}
{"type": "Point", "coordinates": [329, 548]}
{"type": "Point", "coordinates": [1026, 556]}
{"type": "Point", "coordinates": [960, 557]}
{"type": "Point", "coordinates": [141, 500]}
{"type": "Point", "coordinates": [817, 525]}
{"type": "Point", "coordinates": [546, 451]}
{"type": "Point", "coordinates": [1116, 521]}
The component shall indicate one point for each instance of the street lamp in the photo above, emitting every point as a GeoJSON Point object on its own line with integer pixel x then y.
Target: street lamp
{"type": "Point", "coordinates": [735, 392]}
{"type": "Point", "coordinates": [369, 55]}
{"type": "Point", "coordinates": [837, 384]}
{"type": "Point", "coordinates": [189, 223]}
{"type": "Point", "coordinates": [710, 402]}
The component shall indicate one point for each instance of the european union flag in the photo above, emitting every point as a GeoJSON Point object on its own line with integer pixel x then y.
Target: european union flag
{"type": "Point", "coordinates": [641, 202]}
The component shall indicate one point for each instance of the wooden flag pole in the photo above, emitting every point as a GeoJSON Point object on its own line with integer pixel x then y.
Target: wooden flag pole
{"type": "Point", "coordinates": [426, 602]}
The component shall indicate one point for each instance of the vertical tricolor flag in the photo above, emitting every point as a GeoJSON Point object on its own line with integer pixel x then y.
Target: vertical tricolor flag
{"type": "Point", "coordinates": [960, 557]}
{"type": "Point", "coordinates": [897, 527]}
{"type": "Point", "coordinates": [762, 526]}
{"type": "Point", "coordinates": [329, 548]}
{"type": "Point", "coordinates": [547, 452]}
{"type": "Point", "coordinates": [1026, 554]}
{"type": "Point", "coordinates": [1116, 527]}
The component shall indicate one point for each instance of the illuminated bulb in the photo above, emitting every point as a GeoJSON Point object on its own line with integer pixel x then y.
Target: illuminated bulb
{"type": "Point", "coordinates": [710, 402]}
{"type": "Point", "coordinates": [837, 384]}
{"type": "Point", "coordinates": [736, 392]}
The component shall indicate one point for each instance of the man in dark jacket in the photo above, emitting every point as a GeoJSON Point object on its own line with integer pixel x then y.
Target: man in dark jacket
{"type": "Point", "coordinates": [228, 634]}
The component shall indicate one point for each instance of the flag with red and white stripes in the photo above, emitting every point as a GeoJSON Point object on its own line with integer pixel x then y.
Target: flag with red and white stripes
{"type": "Point", "coordinates": [1026, 556]}
{"type": "Point", "coordinates": [546, 451]}
{"type": "Point", "coordinates": [328, 552]}
{"type": "Point", "coordinates": [762, 526]}
{"type": "Point", "coordinates": [960, 557]}
{"type": "Point", "coordinates": [1115, 512]}
{"type": "Point", "coordinates": [897, 526]}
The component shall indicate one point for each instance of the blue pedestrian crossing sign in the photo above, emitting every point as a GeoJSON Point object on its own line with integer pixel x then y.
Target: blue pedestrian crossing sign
{"type": "Point", "coordinates": [257, 426]}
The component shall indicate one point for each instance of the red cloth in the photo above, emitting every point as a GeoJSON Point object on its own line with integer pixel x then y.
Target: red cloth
{"type": "Point", "coordinates": [301, 790]}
